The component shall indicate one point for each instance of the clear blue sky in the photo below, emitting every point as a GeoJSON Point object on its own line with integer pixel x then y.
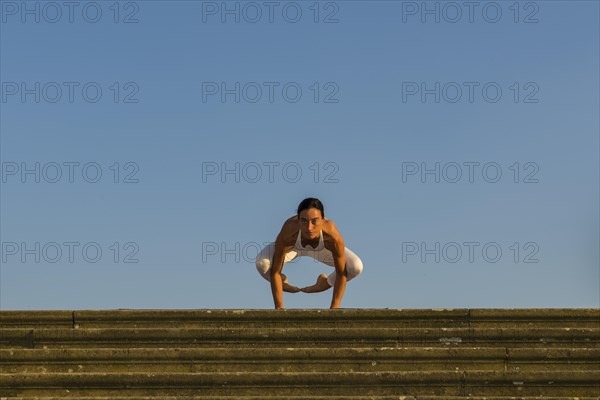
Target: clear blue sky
{"type": "Point", "coordinates": [371, 131]}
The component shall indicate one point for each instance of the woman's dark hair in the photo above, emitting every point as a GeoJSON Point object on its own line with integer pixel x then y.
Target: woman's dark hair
{"type": "Point", "coordinates": [311, 202]}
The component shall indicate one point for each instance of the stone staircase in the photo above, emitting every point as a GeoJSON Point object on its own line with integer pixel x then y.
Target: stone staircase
{"type": "Point", "coordinates": [433, 354]}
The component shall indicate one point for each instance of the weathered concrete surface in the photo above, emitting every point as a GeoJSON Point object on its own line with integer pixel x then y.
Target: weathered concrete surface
{"type": "Point", "coordinates": [439, 354]}
{"type": "Point", "coordinates": [333, 397]}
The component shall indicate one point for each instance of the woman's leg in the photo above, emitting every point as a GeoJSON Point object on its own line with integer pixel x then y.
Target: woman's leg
{"type": "Point", "coordinates": [264, 260]}
{"type": "Point", "coordinates": [354, 267]}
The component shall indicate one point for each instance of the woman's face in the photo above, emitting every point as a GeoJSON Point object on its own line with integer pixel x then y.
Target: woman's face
{"type": "Point", "coordinates": [311, 222]}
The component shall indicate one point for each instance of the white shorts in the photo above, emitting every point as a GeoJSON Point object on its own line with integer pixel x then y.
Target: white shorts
{"type": "Point", "coordinates": [264, 259]}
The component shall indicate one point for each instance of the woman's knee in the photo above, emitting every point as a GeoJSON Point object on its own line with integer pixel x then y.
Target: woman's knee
{"type": "Point", "coordinates": [354, 266]}
{"type": "Point", "coordinates": [263, 264]}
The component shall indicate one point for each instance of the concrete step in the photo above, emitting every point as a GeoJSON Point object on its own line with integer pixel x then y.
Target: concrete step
{"type": "Point", "coordinates": [440, 354]}
{"type": "Point", "coordinates": [307, 318]}
{"type": "Point", "coordinates": [296, 359]}
{"type": "Point", "coordinates": [538, 336]}
{"type": "Point", "coordinates": [551, 383]}
{"type": "Point", "coordinates": [333, 397]}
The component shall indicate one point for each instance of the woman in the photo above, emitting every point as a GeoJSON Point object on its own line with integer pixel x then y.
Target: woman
{"type": "Point", "coordinates": [309, 233]}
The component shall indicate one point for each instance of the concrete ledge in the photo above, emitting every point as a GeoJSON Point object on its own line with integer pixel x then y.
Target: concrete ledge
{"type": "Point", "coordinates": [276, 397]}
{"type": "Point", "coordinates": [129, 380]}
{"type": "Point", "coordinates": [556, 383]}
{"type": "Point", "coordinates": [316, 354]}
{"type": "Point", "coordinates": [11, 317]}
{"type": "Point", "coordinates": [36, 317]}
{"type": "Point", "coordinates": [30, 338]}
{"type": "Point", "coordinates": [410, 354]}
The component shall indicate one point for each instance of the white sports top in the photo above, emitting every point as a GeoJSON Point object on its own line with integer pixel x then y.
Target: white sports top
{"type": "Point", "coordinates": [298, 246]}
{"type": "Point", "coordinates": [319, 253]}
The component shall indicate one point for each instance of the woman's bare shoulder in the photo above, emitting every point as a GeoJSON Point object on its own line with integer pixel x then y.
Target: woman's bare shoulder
{"type": "Point", "coordinates": [330, 230]}
{"type": "Point", "coordinates": [291, 223]}
{"type": "Point", "coordinates": [289, 230]}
